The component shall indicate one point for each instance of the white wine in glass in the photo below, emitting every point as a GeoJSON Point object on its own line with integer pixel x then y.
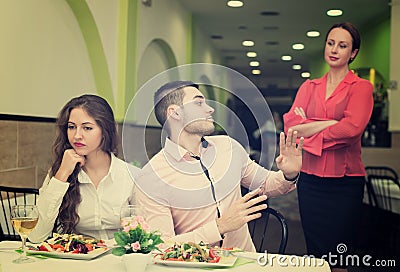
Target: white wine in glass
{"type": "Point", "coordinates": [24, 219]}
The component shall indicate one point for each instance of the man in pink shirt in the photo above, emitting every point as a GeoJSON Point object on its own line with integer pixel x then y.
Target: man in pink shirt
{"type": "Point", "coordinates": [190, 190]}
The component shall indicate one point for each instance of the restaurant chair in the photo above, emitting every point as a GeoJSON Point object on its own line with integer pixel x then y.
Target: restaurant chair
{"type": "Point", "coordinates": [263, 228]}
{"type": "Point", "coordinates": [377, 172]}
{"type": "Point", "coordinates": [381, 171]}
{"type": "Point", "coordinates": [382, 215]}
{"type": "Point", "coordinates": [10, 196]}
{"type": "Point", "coordinates": [381, 188]}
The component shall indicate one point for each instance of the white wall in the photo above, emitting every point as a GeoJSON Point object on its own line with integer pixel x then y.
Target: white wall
{"type": "Point", "coordinates": [105, 13]}
{"type": "Point", "coordinates": [43, 57]}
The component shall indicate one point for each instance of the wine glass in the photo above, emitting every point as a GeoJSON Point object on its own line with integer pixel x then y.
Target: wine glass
{"type": "Point", "coordinates": [128, 214]}
{"type": "Point", "coordinates": [24, 219]}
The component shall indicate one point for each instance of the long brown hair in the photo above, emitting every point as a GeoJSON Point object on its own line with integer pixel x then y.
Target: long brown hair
{"type": "Point", "coordinates": [101, 112]}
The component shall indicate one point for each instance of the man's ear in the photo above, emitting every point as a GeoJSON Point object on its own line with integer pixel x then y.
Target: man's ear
{"type": "Point", "coordinates": [173, 111]}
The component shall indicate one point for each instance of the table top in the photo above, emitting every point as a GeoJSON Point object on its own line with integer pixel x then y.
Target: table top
{"type": "Point", "coordinates": [109, 262]}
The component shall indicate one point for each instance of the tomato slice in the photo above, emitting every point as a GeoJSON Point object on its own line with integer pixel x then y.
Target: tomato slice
{"type": "Point", "coordinates": [215, 260]}
{"type": "Point", "coordinates": [42, 248]}
{"type": "Point", "coordinates": [172, 259]}
{"type": "Point", "coordinates": [89, 247]}
{"type": "Point", "coordinates": [58, 246]}
{"type": "Point", "coordinates": [212, 253]}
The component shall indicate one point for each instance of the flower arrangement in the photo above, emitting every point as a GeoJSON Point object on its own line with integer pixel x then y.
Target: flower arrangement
{"type": "Point", "coordinates": [136, 237]}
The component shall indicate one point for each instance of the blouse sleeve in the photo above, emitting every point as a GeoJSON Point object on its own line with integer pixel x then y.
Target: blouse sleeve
{"type": "Point", "coordinates": [355, 119]}
{"type": "Point", "coordinates": [50, 198]}
{"type": "Point", "coordinates": [302, 98]}
{"type": "Point", "coordinates": [312, 144]}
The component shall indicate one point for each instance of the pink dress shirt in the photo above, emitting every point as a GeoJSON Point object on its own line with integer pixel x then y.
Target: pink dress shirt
{"type": "Point", "coordinates": [176, 196]}
{"type": "Point", "coordinates": [335, 151]}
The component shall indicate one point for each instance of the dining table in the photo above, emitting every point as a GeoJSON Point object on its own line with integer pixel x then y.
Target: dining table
{"type": "Point", "coordinates": [245, 262]}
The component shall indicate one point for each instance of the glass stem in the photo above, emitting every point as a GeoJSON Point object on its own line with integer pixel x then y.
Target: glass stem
{"type": "Point", "coordinates": [23, 246]}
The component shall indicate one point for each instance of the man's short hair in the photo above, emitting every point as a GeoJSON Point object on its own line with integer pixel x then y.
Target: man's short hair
{"type": "Point", "coordinates": [169, 94]}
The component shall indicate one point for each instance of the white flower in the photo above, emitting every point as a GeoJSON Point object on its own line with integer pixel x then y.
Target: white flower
{"type": "Point", "coordinates": [150, 241]}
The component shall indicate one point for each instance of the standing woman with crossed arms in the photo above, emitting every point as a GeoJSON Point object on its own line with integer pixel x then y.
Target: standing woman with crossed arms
{"type": "Point", "coordinates": [331, 114]}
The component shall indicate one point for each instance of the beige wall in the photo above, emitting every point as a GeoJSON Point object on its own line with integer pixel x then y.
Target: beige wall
{"type": "Point", "coordinates": [384, 156]}
{"type": "Point", "coordinates": [394, 94]}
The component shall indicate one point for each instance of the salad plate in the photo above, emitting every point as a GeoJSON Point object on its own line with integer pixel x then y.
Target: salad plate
{"type": "Point", "coordinates": [223, 262]}
{"type": "Point", "coordinates": [69, 255]}
{"type": "Point", "coordinates": [69, 246]}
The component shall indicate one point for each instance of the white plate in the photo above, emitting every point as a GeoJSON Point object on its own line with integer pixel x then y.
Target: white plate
{"type": "Point", "coordinates": [77, 256]}
{"type": "Point", "coordinates": [223, 262]}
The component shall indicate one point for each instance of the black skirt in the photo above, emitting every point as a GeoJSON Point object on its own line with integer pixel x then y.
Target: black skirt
{"type": "Point", "coordinates": [330, 211]}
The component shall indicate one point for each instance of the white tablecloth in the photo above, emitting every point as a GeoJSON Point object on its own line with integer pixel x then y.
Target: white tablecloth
{"type": "Point", "coordinates": [113, 263]}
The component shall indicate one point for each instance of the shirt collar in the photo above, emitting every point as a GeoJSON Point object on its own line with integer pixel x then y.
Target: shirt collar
{"type": "Point", "coordinates": [350, 78]}
{"type": "Point", "coordinates": [84, 178]}
{"type": "Point", "coordinates": [178, 152]}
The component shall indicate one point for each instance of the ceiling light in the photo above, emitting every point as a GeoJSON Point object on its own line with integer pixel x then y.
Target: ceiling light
{"type": "Point", "coordinates": [334, 12]}
{"type": "Point", "coordinates": [248, 43]}
{"type": "Point", "coordinates": [217, 37]}
{"type": "Point", "coordinates": [256, 72]}
{"type": "Point", "coordinates": [298, 46]}
{"type": "Point", "coordinates": [251, 54]}
{"type": "Point", "coordinates": [313, 33]}
{"type": "Point", "coordinates": [296, 67]}
{"type": "Point", "coordinates": [305, 74]}
{"type": "Point", "coordinates": [235, 4]}
{"type": "Point", "coordinates": [286, 58]}
{"type": "Point", "coordinates": [269, 13]}
{"type": "Point", "coordinates": [254, 63]}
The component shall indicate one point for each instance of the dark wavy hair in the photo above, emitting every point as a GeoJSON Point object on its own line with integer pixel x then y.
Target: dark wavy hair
{"type": "Point", "coordinates": [169, 94]}
{"type": "Point", "coordinates": [102, 113]}
{"type": "Point", "coordinates": [355, 35]}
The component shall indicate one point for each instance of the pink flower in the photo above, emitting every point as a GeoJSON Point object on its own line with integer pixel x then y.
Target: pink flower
{"type": "Point", "coordinates": [140, 219]}
{"type": "Point", "coordinates": [145, 226]}
{"type": "Point", "coordinates": [135, 246]}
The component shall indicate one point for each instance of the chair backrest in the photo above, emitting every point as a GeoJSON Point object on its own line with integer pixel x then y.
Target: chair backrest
{"type": "Point", "coordinates": [381, 189]}
{"type": "Point", "coordinates": [262, 228]}
{"type": "Point", "coordinates": [381, 171]}
{"type": "Point", "coordinates": [10, 196]}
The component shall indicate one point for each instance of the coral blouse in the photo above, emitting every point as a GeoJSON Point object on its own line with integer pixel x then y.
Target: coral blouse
{"type": "Point", "coordinates": [336, 150]}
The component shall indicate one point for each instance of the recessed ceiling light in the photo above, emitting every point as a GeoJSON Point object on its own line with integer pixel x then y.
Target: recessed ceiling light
{"type": "Point", "coordinates": [298, 46]}
{"type": "Point", "coordinates": [256, 72]}
{"type": "Point", "coordinates": [286, 58]}
{"type": "Point", "coordinates": [305, 74]}
{"type": "Point", "coordinates": [248, 43]}
{"type": "Point", "coordinates": [217, 37]}
{"type": "Point", "coordinates": [296, 67]}
{"type": "Point", "coordinates": [269, 13]}
{"type": "Point", "coordinates": [271, 28]}
{"type": "Point", "coordinates": [313, 33]}
{"type": "Point", "coordinates": [235, 4]}
{"type": "Point", "coordinates": [251, 54]}
{"type": "Point", "coordinates": [254, 63]}
{"type": "Point", "coordinates": [334, 12]}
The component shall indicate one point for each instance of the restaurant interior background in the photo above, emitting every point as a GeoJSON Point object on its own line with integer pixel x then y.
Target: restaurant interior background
{"type": "Point", "coordinates": [53, 50]}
